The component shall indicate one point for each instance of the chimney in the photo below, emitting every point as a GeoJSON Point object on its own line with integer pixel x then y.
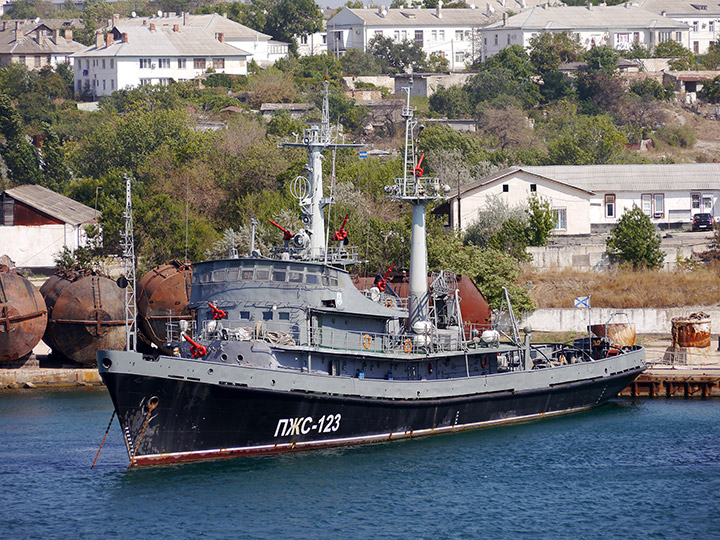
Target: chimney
{"type": "Point", "coordinates": [224, 15]}
{"type": "Point", "coordinates": [438, 9]}
{"type": "Point", "coordinates": [176, 27]}
{"type": "Point", "coordinates": [56, 35]}
{"type": "Point", "coordinates": [152, 27]}
{"type": "Point", "coordinates": [185, 17]}
{"type": "Point", "coordinates": [98, 40]}
{"type": "Point", "coordinates": [589, 4]}
{"type": "Point", "coordinates": [109, 39]}
{"type": "Point", "coordinates": [220, 37]}
{"type": "Point", "coordinates": [4, 26]}
{"type": "Point", "coordinates": [17, 30]}
{"type": "Point", "coordinates": [109, 24]}
{"type": "Point", "coordinates": [116, 19]}
{"type": "Point", "coordinates": [144, 22]}
{"type": "Point", "coordinates": [663, 13]}
{"type": "Point", "coordinates": [39, 37]}
{"type": "Point", "coordinates": [125, 37]}
{"type": "Point", "coordinates": [68, 34]}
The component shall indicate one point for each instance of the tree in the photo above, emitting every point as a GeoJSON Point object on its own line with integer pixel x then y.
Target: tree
{"type": "Point", "coordinates": [397, 57]}
{"type": "Point", "coordinates": [507, 123]}
{"type": "Point", "coordinates": [599, 91]}
{"type": "Point", "coordinates": [514, 59]}
{"type": "Point", "coordinates": [556, 85]}
{"type": "Point", "coordinates": [650, 88]}
{"type": "Point", "coordinates": [549, 49]}
{"type": "Point", "coordinates": [487, 85]}
{"type": "Point", "coordinates": [452, 102]}
{"type": "Point", "coordinates": [682, 58]}
{"type": "Point", "coordinates": [711, 91]}
{"type": "Point", "coordinates": [634, 241]}
{"type": "Point", "coordinates": [602, 58]}
{"type": "Point", "coordinates": [20, 156]}
{"type": "Point", "coordinates": [357, 62]}
{"type": "Point", "coordinates": [587, 140]}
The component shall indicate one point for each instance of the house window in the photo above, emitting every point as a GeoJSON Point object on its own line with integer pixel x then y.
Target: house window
{"type": "Point", "coordinates": [678, 37]}
{"type": "Point", "coordinates": [103, 84]}
{"type": "Point", "coordinates": [112, 84]}
{"type": "Point", "coordinates": [433, 35]}
{"type": "Point", "coordinates": [610, 206]}
{"type": "Point", "coordinates": [695, 26]}
{"type": "Point", "coordinates": [79, 86]}
{"type": "Point", "coordinates": [533, 188]}
{"type": "Point", "coordinates": [441, 35]}
{"type": "Point", "coordinates": [659, 202]}
{"type": "Point", "coordinates": [145, 63]}
{"type": "Point", "coordinates": [419, 37]}
{"type": "Point", "coordinates": [303, 40]}
{"type": "Point", "coordinates": [219, 63]}
{"type": "Point", "coordinates": [404, 35]}
{"type": "Point", "coordinates": [458, 35]}
{"type": "Point", "coordinates": [87, 62]}
{"type": "Point", "coordinates": [508, 39]}
{"type": "Point", "coordinates": [695, 201]}
{"type": "Point", "coordinates": [164, 63]}
{"type": "Point", "coordinates": [284, 315]}
{"type": "Point", "coordinates": [396, 35]}
{"type": "Point", "coordinates": [182, 63]}
{"type": "Point", "coordinates": [112, 63]}
{"type": "Point", "coordinates": [198, 63]}
{"type": "Point", "coordinates": [144, 82]}
{"type": "Point", "coordinates": [324, 38]}
{"type": "Point", "coordinates": [663, 36]}
{"type": "Point", "coordinates": [496, 39]}
{"type": "Point", "coordinates": [636, 36]}
{"type": "Point", "coordinates": [378, 33]}
{"type": "Point", "coordinates": [711, 26]}
{"type": "Point", "coordinates": [103, 63]}
{"type": "Point", "coordinates": [459, 57]}
{"type": "Point", "coordinates": [38, 61]}
{"type": "Point", "coordinates": [696, 47]}
{"type": "Point", "coordinates": [647, 204]}
{"type": "Point", "coordinates": [506, 188]}
{"type": "Point", "coordinates": [560, 217]}
{"type": "Point", "coordinates": [164, 82]}
{"type": "Point", "coordinates": [622, 38]}
{"type": "Point", "coordinates": [267, 315]}
{"type": "Point", "coordinates": [707, 202]}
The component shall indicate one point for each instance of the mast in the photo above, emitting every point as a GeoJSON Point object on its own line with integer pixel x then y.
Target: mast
{"type": "Point", "coordinates": [128, 245]}
{"type": "Point", "coordinates": [419, 192]}
{"type": "Point", "coordinates": [316, 138]}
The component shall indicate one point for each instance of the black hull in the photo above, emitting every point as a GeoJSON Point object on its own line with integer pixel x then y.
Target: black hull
{"type": "Point", "coordinates": [194, 421]}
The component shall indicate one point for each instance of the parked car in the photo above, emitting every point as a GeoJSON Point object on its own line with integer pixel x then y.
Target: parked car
{"type": "Point", "coordinates": [702, 221]}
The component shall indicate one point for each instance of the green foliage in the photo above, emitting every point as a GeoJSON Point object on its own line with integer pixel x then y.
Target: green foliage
{"type": "Point", "coordinates": [637, 50]}
{"type": "Point", "coordinates": [396, 57]}
{"type": "Point", "coordinates": [283, 125]}
{"type": "Point", "coordinates": [514, 59]}
{"type": "Point", "coordinates": [680, 136]}
{"type": "Point", "coordinates": [549, 49]}
{"type": "Point", "coordinates": [82, 257]}
{"type": "Point", "coordinates": [540, 220]}
{"type": "Point", "coordinates": [357, 62]}
{"type": "Point", "coordinates": [711, 91]}
{"type": "Point", "coordinates": [556, 86]}
{"type": "Point", "coordinates": [21, 157]}
{"type": "Point", "coordinates": [652, 89]}
{"type": "Point", "coordinates": [452, 102]}
{"type": "Point", "coordinates": [683, 58]}
{"type": "Point", "coordinates": [587, 141]}
{"type": "Point", "coordinates": [487, 85]}
{"type": "Point", "coordinates": [634, 241]}
{"type": "Point", "coordinates": [491, 270]}
{"type": "Point", "coordinates": [436, 63]}
{"type": "Point", "coordinates": [602, 58]}
{"type": "Point", "coordinates": [599, 92]}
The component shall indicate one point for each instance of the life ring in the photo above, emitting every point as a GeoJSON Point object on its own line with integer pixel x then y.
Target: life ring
{"type": "Point", "coordinates": [367, 340]}
{"type": "Point", "coordinates": [388, 302]}
{"type": "Point", "coordinates": [484, 362]}
{"type": "Point", "coordinates": [612, 351]}
{"type": "Point", "coordinates": [407, 345]}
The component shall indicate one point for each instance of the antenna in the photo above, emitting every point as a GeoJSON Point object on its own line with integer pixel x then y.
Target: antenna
{"type": "Point", "coordinates": [128, 245]}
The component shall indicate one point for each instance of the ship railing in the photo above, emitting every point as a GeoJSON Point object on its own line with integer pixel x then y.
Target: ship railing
{"type": "Point", "coordinates": [377, 342]}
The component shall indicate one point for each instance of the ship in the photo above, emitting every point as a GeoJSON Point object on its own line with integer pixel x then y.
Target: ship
{"type": "Point", "coordinates": [284, 353]}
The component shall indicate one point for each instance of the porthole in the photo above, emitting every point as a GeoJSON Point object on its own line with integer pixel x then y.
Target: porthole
{"type": "Point", "coordinates": [223, 357]}
{"type": "Point", "coordinates": [240, 357]}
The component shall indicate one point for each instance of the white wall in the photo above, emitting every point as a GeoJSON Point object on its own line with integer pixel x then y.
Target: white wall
{"type": "Point", "coordinates": [37, 246]}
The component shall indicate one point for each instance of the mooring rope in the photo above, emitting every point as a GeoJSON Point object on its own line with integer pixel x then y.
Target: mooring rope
{"type": "Point", "coordinates": [103, 441]}
{"type": "Point", "coordinates": [151, 408]}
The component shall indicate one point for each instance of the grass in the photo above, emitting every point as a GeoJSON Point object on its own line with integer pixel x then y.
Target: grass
{"type": "Point", "coordinates": [558, 288]}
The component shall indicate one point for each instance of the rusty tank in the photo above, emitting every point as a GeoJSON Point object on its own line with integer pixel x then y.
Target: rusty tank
{"type": "Point", "coordinates": [163, 296]}
{"type": "Point", "coordinates": [691, 331]}
{"type": "Point", "coordinates": [620, 334]}
{"type": "Point", "coordinates": [23, 316]}
{"type": "Point", "coordinates": [86, 313]}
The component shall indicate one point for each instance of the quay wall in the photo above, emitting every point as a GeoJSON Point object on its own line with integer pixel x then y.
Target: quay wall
{"type": "Point", "coordinates": [647, 321]}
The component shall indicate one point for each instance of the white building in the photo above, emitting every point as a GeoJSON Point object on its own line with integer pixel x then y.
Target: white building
{"type": "Point", "coordinates": [259, 47]}
{"type": "Point", "coordinates": [703, 19]}
{"type": "Point", "coordinates": [36, 223]}
{"type": "Point", "coordinates": [135, 55]}
{"type": "Point", "coordinates": [591, 198]}
{"type": "Point", "coordinates": [614, 26]}
{"type": "Point", "coordinates": [452, 33]}
{"type": "Point", "coordinates": [37, 44]}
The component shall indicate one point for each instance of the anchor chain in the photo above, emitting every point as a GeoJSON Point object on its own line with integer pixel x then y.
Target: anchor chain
{"type": "Point", "coordinates": [103, 440]}
{"type": "Point", "coordinates": [151, 407]}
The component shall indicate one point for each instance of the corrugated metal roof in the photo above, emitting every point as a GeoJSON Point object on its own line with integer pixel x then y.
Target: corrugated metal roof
{"type": "Point", "coordinates": [163, 41]}
{"type": "Point", "coordinates": [53, 204]}
{"type": "Point", "coordinates": [577, 18]}
{"type": "Point", "coordinates": [620, 178]}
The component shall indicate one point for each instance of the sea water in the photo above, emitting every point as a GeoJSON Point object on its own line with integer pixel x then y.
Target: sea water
{"type": "Point", "coordinates": [630, 469]}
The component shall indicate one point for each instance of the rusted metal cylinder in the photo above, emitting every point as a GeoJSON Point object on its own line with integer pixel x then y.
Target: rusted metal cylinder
{"type": "Point", "coordinates": [86, 313]}
{"type": "Point", "coordinates": [619, 334]}
{"type": "Point", "coordinates": [692, 331]}
{"type": "Point", "coordinates": [163, 297]}
{"type": "Point", "coordinates": [23, 316]}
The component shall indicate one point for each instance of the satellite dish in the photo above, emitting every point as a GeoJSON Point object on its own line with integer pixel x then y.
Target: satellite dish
{"type": "Point", "coordinates": [133, 14]}
{"type": "Point", "coordinates": [37, 20]}
{"type": "Point", "coordinates": [159, 12]}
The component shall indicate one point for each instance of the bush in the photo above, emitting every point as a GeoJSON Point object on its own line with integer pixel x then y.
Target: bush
{"type": "Point", "coordinates": [682, 136]}
{"type": "Point", "coordinates": [634, 241]}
